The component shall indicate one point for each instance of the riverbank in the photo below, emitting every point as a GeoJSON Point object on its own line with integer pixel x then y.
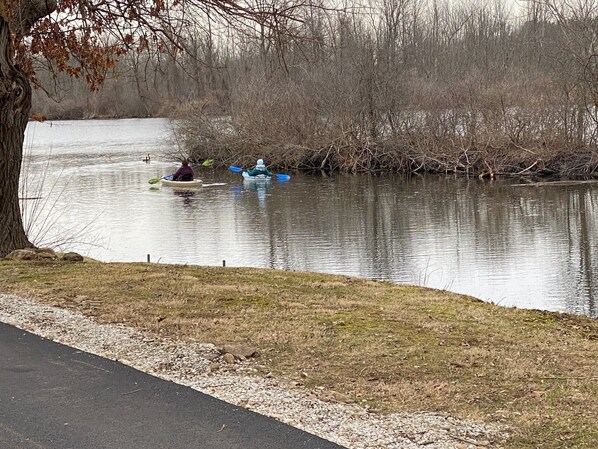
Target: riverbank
{"type": "Point", "coordinates": [409, 157]}
{"type": "Point", "coordinates": [383, 347]}
{"type": "Point", "coordinates": [421, 150]}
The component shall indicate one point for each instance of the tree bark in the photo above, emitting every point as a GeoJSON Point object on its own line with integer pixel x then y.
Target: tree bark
{"type": "Point", "coordinates": [15, 106]}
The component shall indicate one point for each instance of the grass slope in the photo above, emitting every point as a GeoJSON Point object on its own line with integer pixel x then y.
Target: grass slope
{"type": "Point", "coordinates": [390, 347]}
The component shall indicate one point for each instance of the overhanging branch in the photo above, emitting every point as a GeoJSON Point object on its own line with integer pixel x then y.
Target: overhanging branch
{"type": "Point", "coordinates": [24, 13]}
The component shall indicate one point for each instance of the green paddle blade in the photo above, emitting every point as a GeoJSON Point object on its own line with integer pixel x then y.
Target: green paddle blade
{"type": "Point", "coordinates": [208, 162]}
{"type": "Point", "coordinates": [154, 180]}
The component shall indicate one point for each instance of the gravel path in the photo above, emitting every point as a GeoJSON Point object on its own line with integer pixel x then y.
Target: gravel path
{"type": "Point", "coordinates": [201, 366]}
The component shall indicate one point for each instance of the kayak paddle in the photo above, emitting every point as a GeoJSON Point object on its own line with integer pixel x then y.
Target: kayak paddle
{"type": "Point", "coordinates": [156, 180]}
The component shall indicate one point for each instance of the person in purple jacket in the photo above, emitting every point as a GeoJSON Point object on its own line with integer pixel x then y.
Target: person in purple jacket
{"type": "Point", "coordinates": [184, 173]}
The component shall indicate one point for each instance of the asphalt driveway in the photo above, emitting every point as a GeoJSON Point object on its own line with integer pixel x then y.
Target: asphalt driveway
{"type": "Point", "coordinates": [56, 397]}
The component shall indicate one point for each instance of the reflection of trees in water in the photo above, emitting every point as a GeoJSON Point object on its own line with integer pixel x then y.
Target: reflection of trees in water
{"type": "Point", "coordinates": [448, 232]}
{"type": "Point", "coordinates": [579, 211]}
{"type": "Point", "coordinates": [478, 223]}
{"type": "Point", "coordinates": [565, 217]}
{"type": "Point", "coordinates": [524, 246]}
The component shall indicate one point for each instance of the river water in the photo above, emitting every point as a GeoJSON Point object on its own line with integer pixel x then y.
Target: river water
{"type": "Point", "coordinates": [511, 244]}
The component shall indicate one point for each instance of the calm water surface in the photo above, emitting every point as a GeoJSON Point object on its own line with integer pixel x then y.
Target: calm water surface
{"type": "Point", "coordinates": [532, 247]}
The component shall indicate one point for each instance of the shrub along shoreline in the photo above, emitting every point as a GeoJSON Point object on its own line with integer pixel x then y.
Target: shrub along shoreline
{"type": "Point", "coordinates": [417, 153]}
{"type": "Point", "coordinates": [391, 347]}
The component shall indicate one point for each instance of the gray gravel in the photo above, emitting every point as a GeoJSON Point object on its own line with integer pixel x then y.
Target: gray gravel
{"type": "Point", "coordinates": [201, 366]}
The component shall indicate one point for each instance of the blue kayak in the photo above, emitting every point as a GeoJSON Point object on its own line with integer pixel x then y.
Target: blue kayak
{"type": "Point", "coordinates": [247, 177]}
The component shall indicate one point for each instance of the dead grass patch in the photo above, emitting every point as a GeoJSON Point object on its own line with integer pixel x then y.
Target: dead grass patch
{"type": "Point", "coordinates": [390, 347]}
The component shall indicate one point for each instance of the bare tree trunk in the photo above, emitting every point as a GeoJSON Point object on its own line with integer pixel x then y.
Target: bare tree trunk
{"type": "Point", "coordinates": [15, 106]}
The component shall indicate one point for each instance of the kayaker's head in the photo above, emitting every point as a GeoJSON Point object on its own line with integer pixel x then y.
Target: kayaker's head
{"type": "Point", "coordinates": [185, 162]}
{"type": "Point", "coordinates": [260, 164]}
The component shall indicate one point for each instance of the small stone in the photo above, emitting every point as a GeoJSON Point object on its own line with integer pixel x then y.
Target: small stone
{"type": "Point", "coordinates": [229, 358]}
{"type": "Point", "coordinates": [21, 254]}
{"type": "Point", "coordinates": [72, 257]}
{"type": "Point", "coordinates": [214, 366]}
{"type": "Point", "coordinates": [240, 351]}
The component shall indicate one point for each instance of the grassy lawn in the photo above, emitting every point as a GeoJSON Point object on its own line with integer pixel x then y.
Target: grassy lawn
{"type": "Point", "coordinates": [389, 347]}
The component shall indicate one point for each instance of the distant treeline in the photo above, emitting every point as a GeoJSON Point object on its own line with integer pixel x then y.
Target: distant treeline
{"type": "Point", "coordinates": [403, 85]}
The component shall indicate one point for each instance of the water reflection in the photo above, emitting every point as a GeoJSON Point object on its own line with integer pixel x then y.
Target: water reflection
{"type": "Point", "coordinates": [187, 196]}
{"type": "Point", "coordinates": [513, 245]}
{"type": "Point", "coordinates": [260, 187]}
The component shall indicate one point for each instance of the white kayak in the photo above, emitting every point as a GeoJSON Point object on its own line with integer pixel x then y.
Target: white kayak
{"type": "Point", "coordinates": [182, 184]}
{"type": "Point", "coordinates": [247, 177]}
